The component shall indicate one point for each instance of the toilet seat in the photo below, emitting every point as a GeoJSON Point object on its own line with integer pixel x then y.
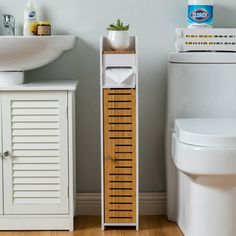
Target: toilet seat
{"type": "Point", "coordinates": [207, 132]}
{"type": "Point", "coordinates": [205, 146]}
{"type": "Point", "coordinates": [197, 160]}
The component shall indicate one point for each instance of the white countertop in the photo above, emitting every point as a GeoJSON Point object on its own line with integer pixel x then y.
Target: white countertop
{"type": "Point", "coordinates": [70, 85]}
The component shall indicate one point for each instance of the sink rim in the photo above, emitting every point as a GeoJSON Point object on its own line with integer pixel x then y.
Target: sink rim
{"type": "Point", "coordinates": [23, 53]}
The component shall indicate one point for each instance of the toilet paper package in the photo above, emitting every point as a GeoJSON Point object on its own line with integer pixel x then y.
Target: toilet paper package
{"type": "Point", "coordinates": [206, 39]}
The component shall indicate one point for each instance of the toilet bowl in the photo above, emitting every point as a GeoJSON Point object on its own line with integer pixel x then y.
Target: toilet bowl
{"type": "Point", "coordinates": [204, 153]}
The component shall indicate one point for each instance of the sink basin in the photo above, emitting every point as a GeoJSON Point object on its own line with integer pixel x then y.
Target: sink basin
{"type": "Point", "coordinates": [20, 53]}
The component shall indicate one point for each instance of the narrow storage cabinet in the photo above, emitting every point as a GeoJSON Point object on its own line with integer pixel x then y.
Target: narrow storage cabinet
{"type": "Point", "coordinates": [37, 162]}
{"type": "Point", "coordinates": [119, 128]}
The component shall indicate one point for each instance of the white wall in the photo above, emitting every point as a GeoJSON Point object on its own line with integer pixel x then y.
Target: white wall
{"type": "Point", "coordinates": [154, 22]}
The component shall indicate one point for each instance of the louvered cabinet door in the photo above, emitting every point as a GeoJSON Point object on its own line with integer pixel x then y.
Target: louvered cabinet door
{"type": "Point", "coordinates": [36, 170]}
{"type": "Point", "coordinates": [120, 155]}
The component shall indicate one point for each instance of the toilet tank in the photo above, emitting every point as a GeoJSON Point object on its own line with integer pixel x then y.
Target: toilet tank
{"type": "Point", "coordinates": [200, 85]}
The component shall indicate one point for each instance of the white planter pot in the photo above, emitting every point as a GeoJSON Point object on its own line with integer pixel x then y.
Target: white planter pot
{"type": "Point", "coordinates": [119, 40]}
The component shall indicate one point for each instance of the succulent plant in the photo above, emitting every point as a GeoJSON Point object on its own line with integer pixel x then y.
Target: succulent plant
{"type": "Point", "coordinates": [119, 26]}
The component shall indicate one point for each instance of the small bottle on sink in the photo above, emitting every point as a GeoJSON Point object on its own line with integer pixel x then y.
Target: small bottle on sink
{"type": "Point", "coordinates": [30, 19]}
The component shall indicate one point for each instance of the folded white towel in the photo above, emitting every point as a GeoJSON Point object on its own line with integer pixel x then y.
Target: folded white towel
{"type": "Point", "coordinates": [119, 75]}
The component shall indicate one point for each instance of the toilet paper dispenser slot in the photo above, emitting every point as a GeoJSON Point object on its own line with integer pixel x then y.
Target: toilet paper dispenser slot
{"type": "Point", "coordinates": [119, 77]}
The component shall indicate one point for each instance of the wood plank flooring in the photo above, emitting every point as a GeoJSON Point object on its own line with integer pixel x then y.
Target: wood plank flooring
{"type": "Point", "coordinates": [90, 226]}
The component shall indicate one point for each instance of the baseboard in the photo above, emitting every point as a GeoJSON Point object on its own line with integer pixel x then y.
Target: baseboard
{"type": "Point", "coordinates": [150, 203]}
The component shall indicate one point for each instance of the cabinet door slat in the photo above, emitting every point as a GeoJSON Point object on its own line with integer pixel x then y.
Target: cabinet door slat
{"type": "Point", "coordinates": [36, 180]}
{"type": "Point", "coordinates": [35, 139]}
{"type": "Point", "coordinates": [35, 146]}
{"type": "Point", "coordinates": [35, 104]}
{"type": "Point", "coordinates": [38, 187]}
{"type": "Point", "coordinates": [39, 167]}
{"type": "Point", "coordinates": [35, 132]}
{"type": "Point", "coordinates": [39, 111]}
{"type": "Point", "coordinates": [33, 125]}
{"type": "Point", "coordinates": [33, 153]}
{"type": "Point", "coordinates": [33, 173]}
{"type": "Point", "coordinates": [36, 194]}
{"type": "Point", "coordinates": [36, 160]}
{"type": "Point", "coordinates": [29, 118]}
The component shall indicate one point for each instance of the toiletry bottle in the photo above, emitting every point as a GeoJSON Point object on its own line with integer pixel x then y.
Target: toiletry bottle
{"type": "Point", "coordinates": [30, 19]}
{"type": "Point", "coordinates": [200, 13]}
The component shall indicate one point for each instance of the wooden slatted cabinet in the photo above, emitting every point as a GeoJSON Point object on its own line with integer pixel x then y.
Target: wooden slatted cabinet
{"type": "Point", "coordinates": [119, 140]}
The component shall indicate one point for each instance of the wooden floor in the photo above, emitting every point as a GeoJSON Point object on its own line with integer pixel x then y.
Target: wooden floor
{"type": "Point", "coordinates": [90, 226]}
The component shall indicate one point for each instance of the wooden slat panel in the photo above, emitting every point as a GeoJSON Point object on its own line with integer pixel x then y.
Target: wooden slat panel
{"type": "Point", "coordinates": [121, 134]}
{"type": "Point", "coordinates": [120, 96]}
{"type": "Point", "coordinates": [120, 118]}
{"type": "Point", "coordinates": [120, 112]}
{"type": "Point", "coordinates": [123, 191]}
{"type": "Point", "coordinates": [123, 163]}
{"type": "Point", "coordinates": [120, 185]}
{"type": "Point", "coordinates": [128, 205]}
{"type": "Point", "coordinates": [118, 91]}
{"type": "Point", "coordinates": [120, 155]}
{"type": "Point", "coordinates": [119, 105]}
{"type": "Point", "coordinates": [119, 178]}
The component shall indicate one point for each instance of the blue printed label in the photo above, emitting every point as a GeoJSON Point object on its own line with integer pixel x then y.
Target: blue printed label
{"type": "Point", "coordinates": [200, 14]}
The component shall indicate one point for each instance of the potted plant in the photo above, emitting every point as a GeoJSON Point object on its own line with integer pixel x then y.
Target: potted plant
{"type": "Point", "coordinates": [118, 36]}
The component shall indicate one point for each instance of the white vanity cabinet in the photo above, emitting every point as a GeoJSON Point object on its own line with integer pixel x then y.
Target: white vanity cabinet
{"type": "Point", "coordinates": [37, 161]}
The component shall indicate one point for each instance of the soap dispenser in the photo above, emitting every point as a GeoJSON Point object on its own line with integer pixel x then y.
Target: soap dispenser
{"type": "Point", "coordinates": [30, 19]}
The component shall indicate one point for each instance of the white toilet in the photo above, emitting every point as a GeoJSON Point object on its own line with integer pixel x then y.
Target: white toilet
{"type": "Point", "coordinates": [201, 143]}
{"type": "Point", "coordinates": [204, 150]}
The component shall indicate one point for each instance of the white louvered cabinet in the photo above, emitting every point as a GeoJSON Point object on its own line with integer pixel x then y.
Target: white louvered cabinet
{"type": "Point", "coordinates": [1, 180]}
{"type": "Point", "coordinates": [37, 163]}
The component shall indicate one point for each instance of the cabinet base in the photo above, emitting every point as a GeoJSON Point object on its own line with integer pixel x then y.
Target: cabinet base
{"type": "Point", "coordinates": [105, 225]}
{"type": "Point", "coordinates": [36, 223]}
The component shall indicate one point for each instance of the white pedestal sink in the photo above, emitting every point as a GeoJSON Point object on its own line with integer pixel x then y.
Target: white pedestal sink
{"type": "Point", "coordinates": [19, 54]}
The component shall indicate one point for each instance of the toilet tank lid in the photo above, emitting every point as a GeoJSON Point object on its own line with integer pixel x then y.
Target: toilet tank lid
{"type": "Point", "coordinates": [202, 57]}
{"type": "Point", "coordinates": [206, 132]}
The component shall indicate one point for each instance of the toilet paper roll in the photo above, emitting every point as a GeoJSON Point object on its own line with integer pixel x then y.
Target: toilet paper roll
{"type": "Point", "coordinates": [119, 75]}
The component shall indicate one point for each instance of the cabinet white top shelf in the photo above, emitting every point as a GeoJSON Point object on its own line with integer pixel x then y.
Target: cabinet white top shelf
{"type": "Point", "coordinates": [70, 85]}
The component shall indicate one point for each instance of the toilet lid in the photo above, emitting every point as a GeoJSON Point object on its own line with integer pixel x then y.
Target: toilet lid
{"type": "Point", "coordinates": [207, 132]}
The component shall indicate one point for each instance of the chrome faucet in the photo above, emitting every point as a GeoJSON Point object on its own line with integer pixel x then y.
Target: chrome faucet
{"type": "Point", "coordinates": [9, 22]}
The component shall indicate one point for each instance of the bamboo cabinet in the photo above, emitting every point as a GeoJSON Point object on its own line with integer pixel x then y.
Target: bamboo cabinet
{"type": "Point", "coordinates": [119, 136]}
